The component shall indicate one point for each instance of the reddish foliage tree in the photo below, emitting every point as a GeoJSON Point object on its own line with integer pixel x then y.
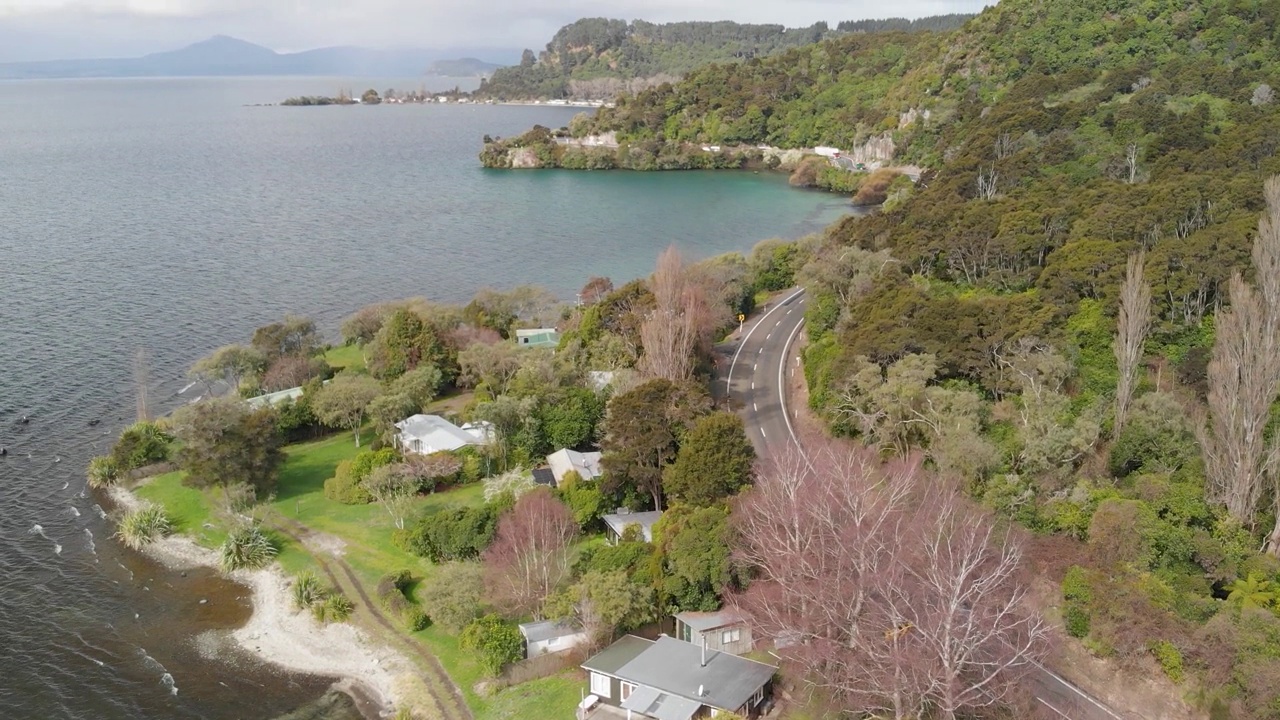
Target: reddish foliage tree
{"type": "Point", "coordinates": [595, 290]}
{"type": "Point", "coordinates": [291, 371]}
{"type": "Point", "coordinates": [529, 556]}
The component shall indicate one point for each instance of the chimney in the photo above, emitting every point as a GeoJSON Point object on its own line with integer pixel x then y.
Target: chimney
{"type": "Point", "coordinates": [704, 660]}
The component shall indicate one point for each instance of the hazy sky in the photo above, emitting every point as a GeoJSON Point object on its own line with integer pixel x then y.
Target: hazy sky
{"type": "Point", "coordinates": [47, 29]}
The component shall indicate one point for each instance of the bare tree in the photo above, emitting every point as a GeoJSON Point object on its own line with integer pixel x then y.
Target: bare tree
{"type": "Point", "coordinates": [1131, 333]}
{"type": "Point", "coordinates": [1131, 162]}
{"type": "Point", "coordinates": [394, 487]}
{"type": "Point", "coordinates": [676, 325]}
{"type": "Point", "coordinates": [966, 605]}
{"type": "Point", "coordinates": [816, 533]}
{"type": "Point", "coordinates": [529, 557]}
{"type": "Point", "coordinates": [1244, 377]}
{"type": "Point", "coordinates": [988, 183]}
{"type": "Point", "coordinates": [889, 601]}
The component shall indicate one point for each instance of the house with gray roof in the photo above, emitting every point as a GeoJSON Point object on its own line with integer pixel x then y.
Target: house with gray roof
{"type": "Point", "coordinates": [586, 464]}
{"type": "Point", "coordinates": [618, 522]}
{"type": "Point", "coordinates": [426, 434]}
{"type": "Point", "coordinates": [669, 679]}
{"type": "Point", "coordinates": [548, 636]}
{"type": "Point", "coordinates": [725, 630]}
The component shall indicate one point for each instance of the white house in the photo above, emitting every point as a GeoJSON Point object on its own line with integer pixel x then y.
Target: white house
{"type": "Point", "coordinates": [618, 522]}
{"type": "Point", "coordinates": [587, 464]}
{"type": "Point", "coordinates": [426, 434]}
{"type": "Point", "coordinates": [548, 636]}
{"type": "Point", "coordinates": [825, 151]}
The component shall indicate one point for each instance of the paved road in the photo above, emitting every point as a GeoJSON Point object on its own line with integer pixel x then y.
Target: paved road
{"type": "Point", "coordinates": [759, 371]}
{"type": "Point", "coordinates": [761, 364]}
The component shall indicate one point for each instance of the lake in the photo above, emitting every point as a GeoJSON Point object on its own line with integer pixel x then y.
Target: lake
{"type": "Point", "coordinates": [170, 216]}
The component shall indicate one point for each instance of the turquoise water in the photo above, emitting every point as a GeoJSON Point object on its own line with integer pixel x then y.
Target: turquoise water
{"type": "Point", "coordinates": [171, 216]}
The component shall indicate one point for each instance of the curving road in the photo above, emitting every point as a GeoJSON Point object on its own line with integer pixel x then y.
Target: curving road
{"type": "Point", "coordinates": [755, 384]}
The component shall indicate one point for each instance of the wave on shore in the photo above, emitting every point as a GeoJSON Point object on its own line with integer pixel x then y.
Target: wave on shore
{"type": "Point", "coordinates": [279, 634]}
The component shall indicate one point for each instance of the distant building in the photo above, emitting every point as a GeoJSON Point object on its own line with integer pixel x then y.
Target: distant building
{"type": "Point", "coordinates": [426, 434]}
{"type": "Point", "coordinates": [825, 151]}
{"type": "Point", "coordinates": [538, 338]}
{"type": "Point", "coordinates": [617, 523]}
{"type": "Point", "coordinates": [548, 636]}
{"type": "Point", "coordinates": [668, 679]}
{"type": "Point", "coordinates": [275, 398]}
{"type": "Point", "coordinates": [722, 630]}
{"type": "Point", "coordinates": [565, 461]}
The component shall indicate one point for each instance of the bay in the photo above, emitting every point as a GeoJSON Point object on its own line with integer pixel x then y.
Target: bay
{"type": "Point", "coordinates": [172, 216]}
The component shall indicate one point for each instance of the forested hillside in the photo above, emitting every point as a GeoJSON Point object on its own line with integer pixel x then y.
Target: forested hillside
{"type": "Point", "coordinates": [1049, 316]}
{"type": "Point", "coordinates": [598, 58]}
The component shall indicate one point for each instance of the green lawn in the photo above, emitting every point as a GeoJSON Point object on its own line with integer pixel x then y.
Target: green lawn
{"type": "Point", "coordinates": [365, 531]}
{"type": "Point", "coordinates": [190, 510]}
{"type": "Point", "coordinates": [346, 357]}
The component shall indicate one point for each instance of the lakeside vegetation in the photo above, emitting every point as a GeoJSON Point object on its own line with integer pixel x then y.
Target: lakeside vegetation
{"type": "Point", "coordinates": [1053, 325]}
{"type": "Point", "coordinates": [436, 539]}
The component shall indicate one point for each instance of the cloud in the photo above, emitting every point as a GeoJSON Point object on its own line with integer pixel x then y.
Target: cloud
{"type": "Point", "coordinates": [91, 26]}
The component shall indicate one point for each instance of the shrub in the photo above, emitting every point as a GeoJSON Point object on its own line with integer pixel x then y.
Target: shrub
{"type": "Point", "coordinates": [452, 594]}
{"type": "Point", "coordinates": [459, 533]}
{"type": "Point", "coordinates": [497, 642]}
{"type": "Point", "coordinates": [415, 618]}
{"type": "Point", "coordinates": [246, 547]}
{"type": "Point", "coordinates": [346, 485]}
{"type": "Point", "coordinates": [1075, 585]}
{"type": "Point", "coordinates": [141, 527]}
{"type": "Point", "coordinates": [103, 471]}
{"type": "Point", "coordinates": [307, 590]}
{"type": "Point", "coordinates": [142, 443]}
{"type": "Point", "coordinates": [1170, 659]}
{"type": "Point", "coordinates": [335, 608]}
{"type": "Point", "coordinates": [1077, 621]}
{"type": "Point", "coordinates": [393, 582]}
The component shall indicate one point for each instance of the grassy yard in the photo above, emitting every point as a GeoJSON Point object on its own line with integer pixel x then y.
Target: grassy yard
{"type": "Point", "coordinates": [346, 357]}
{"type": "Point", "coordinates": [365, 531]}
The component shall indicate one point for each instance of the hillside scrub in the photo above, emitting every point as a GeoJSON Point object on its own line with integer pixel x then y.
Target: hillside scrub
{"type": "Point", "coordinates": [976, 321]}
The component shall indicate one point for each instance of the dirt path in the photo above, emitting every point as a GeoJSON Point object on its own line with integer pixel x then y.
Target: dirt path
{"type": "Point", "coordinates": [446, 699]}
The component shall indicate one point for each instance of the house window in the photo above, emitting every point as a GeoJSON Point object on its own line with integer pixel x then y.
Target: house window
{"type": "Point", "coordinates": [627, 689]}
{"type": "Point", "coordinates": [730, 636]}
{"type": "Point", "coordinates": [600, 685]}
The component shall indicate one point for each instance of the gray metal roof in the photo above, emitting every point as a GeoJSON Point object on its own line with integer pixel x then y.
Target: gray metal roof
{"type": "Point", "coordinates": [703, 621]}
{"type": "Point", "coordinates": [675, 667]}
{"type": "Point", "coordinates": [547, 629]}
{"type": "Point", "coordinates": [660, 705]}
{"type": "Point", "coordinates": [434, 434]}
{"type": "Point", "coordinates": [618, 654]}
{"type": "Point", "coordinates": [619, 522]}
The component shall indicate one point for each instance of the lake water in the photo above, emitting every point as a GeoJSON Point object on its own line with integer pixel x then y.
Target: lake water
{"type": "Point", "coordinates": [172, 216]}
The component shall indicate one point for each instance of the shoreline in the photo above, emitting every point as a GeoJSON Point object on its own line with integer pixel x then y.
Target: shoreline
{"type": "Point", "coordinates": [280, 635]}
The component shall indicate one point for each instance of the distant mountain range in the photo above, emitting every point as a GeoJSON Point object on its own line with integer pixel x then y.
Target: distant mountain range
{"type": "Point", "coordinates": [222, 55]}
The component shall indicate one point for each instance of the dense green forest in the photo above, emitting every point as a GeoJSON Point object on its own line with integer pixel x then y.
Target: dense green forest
{"type": "Point", "coordinates": [1082, 155]}
{"type": "Point", "coordinates": [599, 57]}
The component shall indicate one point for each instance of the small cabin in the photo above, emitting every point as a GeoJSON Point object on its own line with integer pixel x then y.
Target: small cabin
{"type": "Point", "coordinates": [723, 630]}
{"type": "Point", "coordinates": [538, 338]}
{"type": "Point", "coordinates": [549, 636]}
